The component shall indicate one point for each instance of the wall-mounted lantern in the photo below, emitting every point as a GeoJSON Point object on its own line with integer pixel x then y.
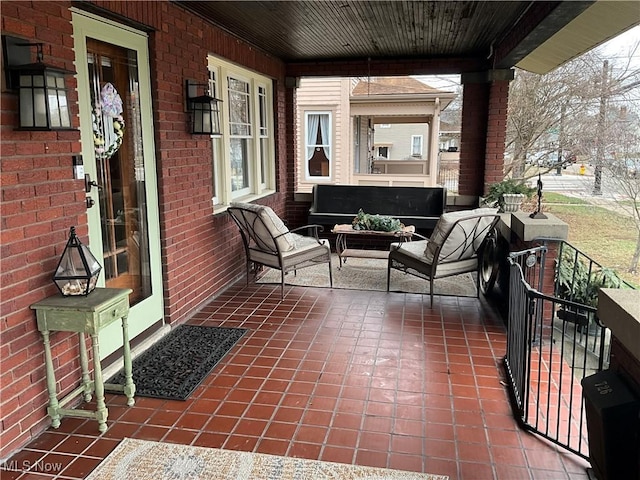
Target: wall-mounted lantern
{"type": "Point", "coordinates": [204, 109]}
{"type": "Point", "coordinates": [41, 87]}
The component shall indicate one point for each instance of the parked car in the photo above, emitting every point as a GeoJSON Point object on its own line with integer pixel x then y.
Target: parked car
{"type": "Point", "coordinates": [550, 159]}
{"type": "Point", "coordinates": [537, 158]}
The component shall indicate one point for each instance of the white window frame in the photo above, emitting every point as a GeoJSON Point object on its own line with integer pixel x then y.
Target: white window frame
{"type": "Point", "coordinates": [329, 145]}
{"type": "Point", "coordinates": [260, 139]}
{"type": "Point", "coordinates": [265, 149]}
{"type": "Point", "coordinates": [413, 152]}
{"type": "Point", "coordinates": [379, 156]}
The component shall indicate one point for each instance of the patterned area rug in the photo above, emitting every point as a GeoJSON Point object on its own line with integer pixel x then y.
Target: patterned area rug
{"type": "Point", "coordinates": [144, 460]}
{"type": "Point", "coordinates": [174, 366]}
{"type": "Point", "coordinates": [371, 274]}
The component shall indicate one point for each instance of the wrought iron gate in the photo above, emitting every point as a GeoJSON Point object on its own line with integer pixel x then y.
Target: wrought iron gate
{"type": "Point", "coordinates": [549, 353]}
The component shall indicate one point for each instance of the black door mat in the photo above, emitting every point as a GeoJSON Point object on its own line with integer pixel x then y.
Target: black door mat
{"type": "Point", "coordinates": [179, 362]}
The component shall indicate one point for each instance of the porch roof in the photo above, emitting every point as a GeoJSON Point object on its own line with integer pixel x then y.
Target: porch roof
{"type": "Point", "coordinates": [536, 36]}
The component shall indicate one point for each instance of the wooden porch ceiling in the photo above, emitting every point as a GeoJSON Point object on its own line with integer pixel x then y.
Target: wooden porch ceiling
{"type": "Point", "coordinates": [495, 34]}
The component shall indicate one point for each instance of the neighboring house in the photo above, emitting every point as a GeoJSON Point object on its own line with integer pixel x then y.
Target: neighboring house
{"type": "Point", "coordinates": [380, 131]}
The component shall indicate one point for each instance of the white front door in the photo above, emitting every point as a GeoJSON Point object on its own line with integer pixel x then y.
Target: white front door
{"type": "Point", "coordinates": [114, 95]}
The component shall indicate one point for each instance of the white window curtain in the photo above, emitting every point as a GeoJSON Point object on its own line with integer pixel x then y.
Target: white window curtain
{"type": "Point", "coordinates": [313, 122]}
{"type": "Point", "coordinates": [312, 133]}
{"type": "Point", "coordinates": [324, 129]}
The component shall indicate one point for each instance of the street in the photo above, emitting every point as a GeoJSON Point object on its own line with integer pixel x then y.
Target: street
{"type": "Point", "coordinates": [571, 183]}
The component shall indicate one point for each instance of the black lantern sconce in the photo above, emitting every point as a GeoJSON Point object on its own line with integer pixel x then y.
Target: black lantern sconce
{"type": "Point", "coordinates": [204, 109]}
{"type": "Point", "coordinates": [41, 87]}
{"type": "Point", "coordinates": [78, 270]}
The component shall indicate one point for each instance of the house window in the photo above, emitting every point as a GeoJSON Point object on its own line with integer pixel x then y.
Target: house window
{"type": "Point", "coordinates": [416, 145]}
{"type": "Point", "coordinates": [240, 135]}
{"type": "Point", "coordinates": [244, 155]}
{"type": "Point", "coordinates": [382, 152]}
{"type": "Point", "coordinates": [318, 154]}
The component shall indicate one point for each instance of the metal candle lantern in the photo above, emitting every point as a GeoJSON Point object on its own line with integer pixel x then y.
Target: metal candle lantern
{"type": "Point", "coordinates": [78, 270]}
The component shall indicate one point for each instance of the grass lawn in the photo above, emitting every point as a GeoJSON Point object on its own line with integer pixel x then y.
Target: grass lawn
{"type": "Point", "coordinates": [607, 237]}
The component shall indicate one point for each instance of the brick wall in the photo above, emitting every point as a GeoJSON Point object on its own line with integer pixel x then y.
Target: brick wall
{"type": "Point", "coordinates": [40, 201]}
{"type": "Point", "coordinates": [475, 101]}
{"type": "Point", "coordinates": [484, 120]}
{"type": "Point", "coordinates": [496, 133]}
{"type": "Point", "coordinates": [201, 253]}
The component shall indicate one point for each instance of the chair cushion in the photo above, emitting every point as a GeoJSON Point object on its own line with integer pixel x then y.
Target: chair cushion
{"type": "Point", "coordinates": [307, 249]}
{"type": "Point", "coordinates": [458, 236]}
{"type": "Point", "coordinates": [412, 255]}
{"type": "Point", "coordinates": [270, 227]}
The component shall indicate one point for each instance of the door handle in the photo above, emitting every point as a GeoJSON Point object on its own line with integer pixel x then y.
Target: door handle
{"type": "Point", "coordinates": [88, 183]}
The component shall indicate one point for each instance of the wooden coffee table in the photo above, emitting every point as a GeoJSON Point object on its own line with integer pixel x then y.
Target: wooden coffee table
{"type": "Point", "coordinates": [346, 230]}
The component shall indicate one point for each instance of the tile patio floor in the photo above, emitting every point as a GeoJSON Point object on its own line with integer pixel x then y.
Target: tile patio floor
{"type": "Point", "coordinates": [340, 375]}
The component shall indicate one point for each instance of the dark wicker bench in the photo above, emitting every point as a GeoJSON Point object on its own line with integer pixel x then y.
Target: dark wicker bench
{"type": "Point", "coordinates": [418, 206]}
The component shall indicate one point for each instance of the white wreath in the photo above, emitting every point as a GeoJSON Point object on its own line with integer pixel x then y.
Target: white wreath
{"type": "Point", "coordinates": [108, 124]}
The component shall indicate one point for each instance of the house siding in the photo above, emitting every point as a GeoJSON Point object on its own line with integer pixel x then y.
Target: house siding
{"type": "Point", "coordinates": [324, 94]}
{"type": "Point", "coordinates": [398, 137]}
{"type": "Point", "coordinates": [201, 253]}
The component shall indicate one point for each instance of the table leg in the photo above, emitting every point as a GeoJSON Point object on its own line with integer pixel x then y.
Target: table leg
{"type": "Point", "coordinates": [101, 409]}
{"type": "Point", "coordinates": [341, 246]}
{"type": "Point", "coordinates": [84, 365]}
{"type": "Point", "coordinates": [129, 386]}
{"type": "Point", "coordinates": [54, 407]}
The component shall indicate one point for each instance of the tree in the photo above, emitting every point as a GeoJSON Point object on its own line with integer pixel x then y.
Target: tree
{"type": "Point", "coordinates": [623, 172]}
{"type": "Point", "coordinates": [590, 106]}
{"type": "Point", "coordinates": [541, 113]}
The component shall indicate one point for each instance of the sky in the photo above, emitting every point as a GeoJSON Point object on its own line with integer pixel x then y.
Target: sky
{"type": "Point", "coordinates": [617, 47]}
{"type": "Point", "coordinates": [621, 43]}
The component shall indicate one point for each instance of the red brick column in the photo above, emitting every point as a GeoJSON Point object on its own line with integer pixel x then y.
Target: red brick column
{"type": "Point", "coordinates": [496, 133]}
{"type": "Point", "coordinates": [475, 103]}
{"type": "Point", "coordinates": [484, 127]}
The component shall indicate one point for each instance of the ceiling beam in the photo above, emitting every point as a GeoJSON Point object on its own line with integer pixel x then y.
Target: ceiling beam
{"type": "Point", "coordinates": [538, 24]}
{"type": "Point", "coordinates": [385, 67]}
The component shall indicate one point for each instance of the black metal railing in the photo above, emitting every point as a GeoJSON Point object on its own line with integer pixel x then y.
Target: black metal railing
{"type": "Point", "coordinates": [448, 176]}
{"type": "Point", "coordinates": [554, 340]}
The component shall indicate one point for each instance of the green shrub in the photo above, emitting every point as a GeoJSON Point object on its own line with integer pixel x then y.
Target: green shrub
{"type": "Point", "coordinates": [380, 223]}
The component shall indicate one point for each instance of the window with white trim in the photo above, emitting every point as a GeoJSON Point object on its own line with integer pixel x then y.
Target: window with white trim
{"type": "Point", "coordinates": [416, 145]}
{"type": "Point", "coordinates": [318, 150]}
{"type": "Point", "coordinates": [263, 134]}
{"type": "Point", "coordinates": [244, 155]}
{"type": "Point", "coordinates": [382, 152]}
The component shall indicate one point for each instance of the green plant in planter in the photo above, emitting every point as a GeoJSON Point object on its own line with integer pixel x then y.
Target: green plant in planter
{"type": "Point", "coordinates": [380, 223]}
{"type": "Point", "coordinates": [577, 284]}
{"type": "Point", "coordinates": [508, 186]}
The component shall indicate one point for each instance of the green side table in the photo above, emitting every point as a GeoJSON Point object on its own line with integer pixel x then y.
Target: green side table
{"type": "Point", "coordinates": [85, 315]}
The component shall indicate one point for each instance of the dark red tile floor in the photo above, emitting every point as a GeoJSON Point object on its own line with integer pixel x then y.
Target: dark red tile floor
{"type": "Point", "coordinates": [341, 375]}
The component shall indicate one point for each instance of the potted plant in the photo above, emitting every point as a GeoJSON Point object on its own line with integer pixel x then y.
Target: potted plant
{"type": "Point", "coordinates": [381, 223]}
{"type": "Point", "coordinates": [577, 284]}
{"type": "Point", "coordinates": [508, 194]}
